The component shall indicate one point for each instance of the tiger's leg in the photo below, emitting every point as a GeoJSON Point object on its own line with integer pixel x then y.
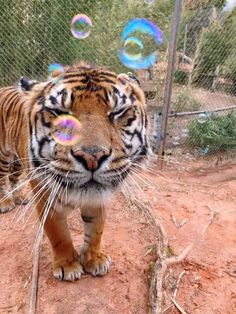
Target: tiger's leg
{"type": "Point", "coordinates": [6, 199]}
{"type": "Point", "coordinates": [92, 259]}
{"type": "Point", "coordinates": [66, 265]}
{"type": "Point", "coordinates": [16, 171]}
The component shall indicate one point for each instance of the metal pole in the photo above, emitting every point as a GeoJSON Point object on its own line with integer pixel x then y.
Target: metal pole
{"type": "Point", "coordinates": [185, 42]}
{"type": "Point", "coordinates": [169, 76]}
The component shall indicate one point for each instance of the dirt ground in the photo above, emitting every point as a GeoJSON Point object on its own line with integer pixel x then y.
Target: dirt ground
{"type": "Point", "coordinates": [182, 193]}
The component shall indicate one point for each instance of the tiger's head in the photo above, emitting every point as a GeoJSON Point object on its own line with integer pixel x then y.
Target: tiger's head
{"type": "Point", "coordinates": [113, 130]}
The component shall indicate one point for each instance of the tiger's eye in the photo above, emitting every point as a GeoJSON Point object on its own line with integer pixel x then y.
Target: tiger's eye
{"type": "Point", "coordinates": [66, 130]}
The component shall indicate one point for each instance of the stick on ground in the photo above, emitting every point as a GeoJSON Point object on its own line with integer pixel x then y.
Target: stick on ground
{"type": "Point", "coordinates": [34, 287]}
{"type": "Point", "coordinates": [163, 262]}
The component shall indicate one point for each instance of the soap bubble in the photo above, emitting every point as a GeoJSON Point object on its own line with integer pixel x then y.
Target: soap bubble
{"type": "Point", "coordinates": [184, 133]}
{"type": "Point", "coordinates": [133, 47]}
{"type": "Point", "coordinates": [202, 118]}
{"type": "Point", "coordinates": [204, 151]}
{"type": "Point", "coordinates": [149, 1]}
{"type": "Point", "coordinates": [175, 140]}
{"type": "Point", "coordinates": [66, 130]}
{"type": "Point", "coordinates": [81, 26]}
{"type": "Point", "coordinates": [55, 69]}
{"type": "Point", "coordinates": [143, 36]}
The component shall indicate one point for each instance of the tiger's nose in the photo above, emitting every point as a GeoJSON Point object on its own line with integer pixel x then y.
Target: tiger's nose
{"type": "Point", "coordinates": [91, 157]}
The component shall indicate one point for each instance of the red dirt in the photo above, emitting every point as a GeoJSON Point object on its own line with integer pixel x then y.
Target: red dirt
{"type": "Point", "coordinates": [185, 191]}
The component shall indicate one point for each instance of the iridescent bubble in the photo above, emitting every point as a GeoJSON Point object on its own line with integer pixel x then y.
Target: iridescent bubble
{"type": "Point", "coordinates": [202, 118]}
{"type": "Point", "coordinates": [66, 130]}
{"type": "Point", "coordinates": [149, 1]}
{"type": "Point", "coordinates": [175, 140]}
{"type": "Point", "coordinates": [204, 151]}
{"type": "Point", "coordinates": [184, 133]}
{"type": "Point", "coordinates": [146, 56]}
{"type": "Point", "coordinates": [133, 47]}
{"type": "Point", "coordinates": [143, 26]}
{"type": "Point", "coordinates": [81, 26]}
{"type": "Point", "coordinates": [55, 69]}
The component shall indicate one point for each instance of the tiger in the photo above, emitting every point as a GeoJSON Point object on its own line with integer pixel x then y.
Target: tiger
{"type": "Point", "coordinates": [111, 109]}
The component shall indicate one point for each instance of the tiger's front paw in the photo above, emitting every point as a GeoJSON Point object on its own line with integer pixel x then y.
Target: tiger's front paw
{"type": "Point", "coordinates": [6, 204]}
{"type": "Point", "coordinates": [69, 271]}
{"type": "Point", "coordinates": [98, 264]}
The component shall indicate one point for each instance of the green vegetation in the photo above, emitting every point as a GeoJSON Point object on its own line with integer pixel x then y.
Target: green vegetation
{"type": "Point", "coordinates": [180, 77]}
{"type": "Point", "coordinates": [34, 34]}
{"type": "Point", "coordinates": [213, 51]}
{"type": "Point", "coordinates": [185, 102]}
{"type": "Point", "coordinates": [217, 133]}
{"type": "Point", "coordinates": [169, 251]}
{"type": "Point", "coordinates": [216, 46]}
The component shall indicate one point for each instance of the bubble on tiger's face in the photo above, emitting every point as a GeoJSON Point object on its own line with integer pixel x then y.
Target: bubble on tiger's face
{"type": "Point", "coordinates": [102, 133]}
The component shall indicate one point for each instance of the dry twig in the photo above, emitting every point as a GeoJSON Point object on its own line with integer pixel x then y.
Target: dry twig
{"type": "Point", "coordinates": [231, 273]}
{"type": "Point", "coordinates": [34, 287]}
{"type": "Point", "coordinates": [182, 311]}
{"type": "Point", "coordinates": [162, 264]}
{"type": "Point", "coordinates": [177, 284]}
{"type": "Point", "coordinates": [178, 224]}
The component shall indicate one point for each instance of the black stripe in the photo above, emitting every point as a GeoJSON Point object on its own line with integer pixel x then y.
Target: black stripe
{"type": "Point", "coordinates": [62, 273]}
{"type": "Point", "coordinates": [128, 146]}
{"type": "Point", "coordinates": [119, 159]}
{"type": "Point", "coordinates": [132, 98]}
{"type": "Point", "coordinates": [44, 123]}
{"type": "Point", "coordinates": [81, 87]}
{"type": "Point", "coordinates": [36, 163]}
{"type": "Point", "coordinates": [107, 74]}
{"type": "Point", "coordinates": [53, 100]}
{"type": "Point", "coordinates": [6, 163]}
{"type": "Point", "coordinates": [68, 76]}
{"type": "Point", "coordinates": [102, 98]}
{"type": "Point", "coordinates": [41, 143]}
{"type": "Point", "coordinates": [98, 80]}
{"type": "Point", "coordinates": [136, 132]}
{"type": "Point", "coordinates": [130, 121]}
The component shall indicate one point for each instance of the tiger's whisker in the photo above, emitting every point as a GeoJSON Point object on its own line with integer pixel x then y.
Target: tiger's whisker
{"type": "Point", "coordinates": [46, 181]}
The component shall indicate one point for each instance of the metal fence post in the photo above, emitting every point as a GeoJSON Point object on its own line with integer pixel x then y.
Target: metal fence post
{"type": "Point", "coordinates": [169, 76]}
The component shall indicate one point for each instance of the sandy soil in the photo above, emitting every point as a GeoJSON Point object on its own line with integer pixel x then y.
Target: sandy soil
{"type": "Point", "coordinates": [182, 192]}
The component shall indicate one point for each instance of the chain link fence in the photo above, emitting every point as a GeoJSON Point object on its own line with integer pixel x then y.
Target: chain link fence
{"type": "Point", "coordinates": [202, 117]}
{"type": "Point", "coordinates": [203, 110]}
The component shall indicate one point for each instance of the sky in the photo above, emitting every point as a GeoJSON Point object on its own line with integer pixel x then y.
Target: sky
{"type": "Point", "coordinates": [230, 5]}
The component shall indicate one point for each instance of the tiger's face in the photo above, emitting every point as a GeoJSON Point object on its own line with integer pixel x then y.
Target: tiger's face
{"type": "Point", "coordinates": [112, 138]}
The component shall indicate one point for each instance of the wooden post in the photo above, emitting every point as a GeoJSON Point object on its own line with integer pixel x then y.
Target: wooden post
{"type": "Point", "coordinates": [169, 76]}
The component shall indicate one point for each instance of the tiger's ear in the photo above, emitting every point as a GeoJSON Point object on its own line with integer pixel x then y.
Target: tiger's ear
{"type": "Point", "coordinates": [134, 78]}
{"type": "Point", "coordinates": [25, 84]}
{"type": "Point", "coordinates": [130, 82]}
{"type": "Point", "coordinates": [123, 79]}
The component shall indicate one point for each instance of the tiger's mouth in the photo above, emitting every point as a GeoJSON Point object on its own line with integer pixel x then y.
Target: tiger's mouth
{"type": "Point", "coordinates": [88, 186]}
{"type": "Point", "coordinates": [92, 184]}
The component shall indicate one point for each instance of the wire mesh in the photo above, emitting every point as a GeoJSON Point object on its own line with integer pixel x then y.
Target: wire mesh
{"type": "Point", "coordinates": [203, 109]}
{"type": "Point", "coordinates": [35, 34]}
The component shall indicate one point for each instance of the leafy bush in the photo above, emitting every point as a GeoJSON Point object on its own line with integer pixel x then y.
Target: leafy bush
{"type": "Point", "coordinates": [185, 102]}
{"type": "Point", "coordinates": [217, 133]}
{"type": "Point", "coordinates": [181, 77]}
{"type": "Point", "coordinates": [216, 47]}
{"type": "Point", "coordinates": [230, 65]}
